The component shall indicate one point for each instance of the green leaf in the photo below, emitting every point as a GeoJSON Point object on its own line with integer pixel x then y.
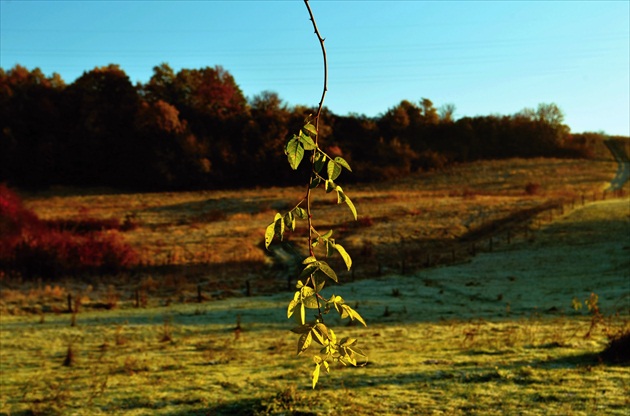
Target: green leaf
{"type": "Point", "coordinates": [320, 161]}
{"type": "Point", "coordinates": [309, 260]}
{"type": "Point", "coordinates": [300, 212]}
{"type": "Point", "coordinates": [279, 226]}
{"type": "Point", "coordinates": [315, 181]}
{"type": "Point", "coordinates": [302, 329]}
{"type": "Point", "coordinates": [309, 269]}
{"type": "Point", "coordinates": [307, 142]}
{"type": "Point", "coordinates": [320, 331]}
{"type": "Point", "coordinates": [319, 338]}
{"type": "Point", "coordinates": [334, 170]}
{"type": "Point", "coordinates": [303, 314]}
{"type": "Point", "coordinates": [269, 233]}
{"type": "Point", "coordinates": [327, 235]}
{"type": "Point", "coordinates": [330, 186]}
{"type": "Point", "coordinates": [291, 308]}
{"type": "Point", "coordinates": [347, 342]}
{"type": "Point", "coordinates": [306, 291]}
{"type": "Point", "coordinates": [344, 255]}
{"type": "Point", "coordinates": [352, 314]}
{"type": "Point", "coordinates": [336, 301]}
{"type": "Point", "coordinates": [289, 220]}
{"type": "Point", "coordinates": [344, 312]}
{"type": "Point", "coordinates": [342, 162]}
{"type": "Point", "coordinates": [330, 244]}
{"type": "Point", "coordinates": [328, 271]}
{"type": "Point", "coordinates": [319, 281]}
{"type": "Point", "coordinates": [294, 152]}
{"type": "Point", "coordinates": [348, 359]}
{"type": "Point", "coordinates": [304, 342]}
{"type": "Point", "coordinates": [311, 302]}
{"type": "Point", "coordinates": [332, 336]}
{"type": "Point", "coordinates": [352, 208]}
{"type": "Point", "coordinates": [341, 196]}
{"type": "Point", "coordinates": [271, 230]}
{"type": "Point", "coordinates": [311, 129]}
{"type": "Point", "coordinates": [316, 375]}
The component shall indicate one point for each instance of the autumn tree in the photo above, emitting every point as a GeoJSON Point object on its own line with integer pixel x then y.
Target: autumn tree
{"type": "Point", "coordinates": [99, 147]}
{"type": "Point", "coordinates": [172, 158]}
{"type": "Point", "coordinates": [264, 133]}
{"type": "Point", "coordinates": [31, 123]}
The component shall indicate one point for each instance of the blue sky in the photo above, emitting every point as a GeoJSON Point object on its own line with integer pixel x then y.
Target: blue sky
{"type": "Point", "coordinates": [493, 57]}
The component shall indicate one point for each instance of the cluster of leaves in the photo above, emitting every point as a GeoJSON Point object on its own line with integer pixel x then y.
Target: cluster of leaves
{"type": "Point", "coordinates": [316, 273]}
{"type": "Point", "coordinates": [34, 247]}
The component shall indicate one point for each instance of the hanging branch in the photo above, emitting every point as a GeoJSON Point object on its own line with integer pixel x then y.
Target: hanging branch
{"type": "Point", "coordinates": [316, 273]}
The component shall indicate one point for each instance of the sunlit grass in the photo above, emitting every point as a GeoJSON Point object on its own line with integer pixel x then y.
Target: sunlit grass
{"type": "Point", "coordinates": [123, 366]}
{"type": "Point", "coordinates": [493, 334]}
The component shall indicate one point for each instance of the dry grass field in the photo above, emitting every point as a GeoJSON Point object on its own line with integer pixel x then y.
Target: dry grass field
{"type": "Point", "coordinates": [215, 238]}
{"type": "Point", "coordinates": [469, 280]}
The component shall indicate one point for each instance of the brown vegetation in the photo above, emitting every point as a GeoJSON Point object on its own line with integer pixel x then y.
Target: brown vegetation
{"type": "Point", "coordinates": [195, 246]}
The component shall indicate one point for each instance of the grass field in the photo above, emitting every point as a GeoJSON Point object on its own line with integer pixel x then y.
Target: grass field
{"type": "Point", "coordinates": [494, 333]}
{"type": "Point", "coordinates": [215, 238]}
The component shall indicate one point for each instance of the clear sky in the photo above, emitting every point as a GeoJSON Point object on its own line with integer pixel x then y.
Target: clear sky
{"type": "Point", "coordinates": [492, 57]}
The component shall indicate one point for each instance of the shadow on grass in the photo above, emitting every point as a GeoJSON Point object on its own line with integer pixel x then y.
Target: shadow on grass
{"type": "Point", "coordinates": [516, 372]}
{"type": "Point", "coordinates": [247, 407]}
{"type": "Point", "coordinates": [286, 402]}
{"type": "Point", "coordinates": [215, 209]}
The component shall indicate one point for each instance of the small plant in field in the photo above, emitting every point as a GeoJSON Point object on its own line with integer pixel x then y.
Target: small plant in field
{"type": "Point", "coordinates": [325, 170]}
{"type": "Point", "coordinates": [71, 355]}
{"type": "Point", "coordinates": [119, 337]}
{"type": "Point", "coordinates": [167, 330]}
{"type": "Point", "coordinates": [285, 402]}
{"type": "Point", "coordinates": [596, 316]}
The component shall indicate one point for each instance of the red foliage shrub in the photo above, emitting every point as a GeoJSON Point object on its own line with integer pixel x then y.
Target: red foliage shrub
{"type": "Point", "coordinates": [13, 215]}
{"type": "Point", "coordinates": [36, 248]}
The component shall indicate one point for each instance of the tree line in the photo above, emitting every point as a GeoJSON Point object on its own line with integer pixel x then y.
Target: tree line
{"type": "Point", "coordinates": [195, 129]}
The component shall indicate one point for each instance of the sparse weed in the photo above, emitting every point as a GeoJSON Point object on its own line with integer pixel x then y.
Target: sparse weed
{"type": "Point", "coordinates": [166, 333]}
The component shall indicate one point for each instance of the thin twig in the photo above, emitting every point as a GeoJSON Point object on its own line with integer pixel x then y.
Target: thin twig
{"type": "Point", "coordinates": [321, 42]}
{"type": "Point", "coordinates": [319, 110]}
